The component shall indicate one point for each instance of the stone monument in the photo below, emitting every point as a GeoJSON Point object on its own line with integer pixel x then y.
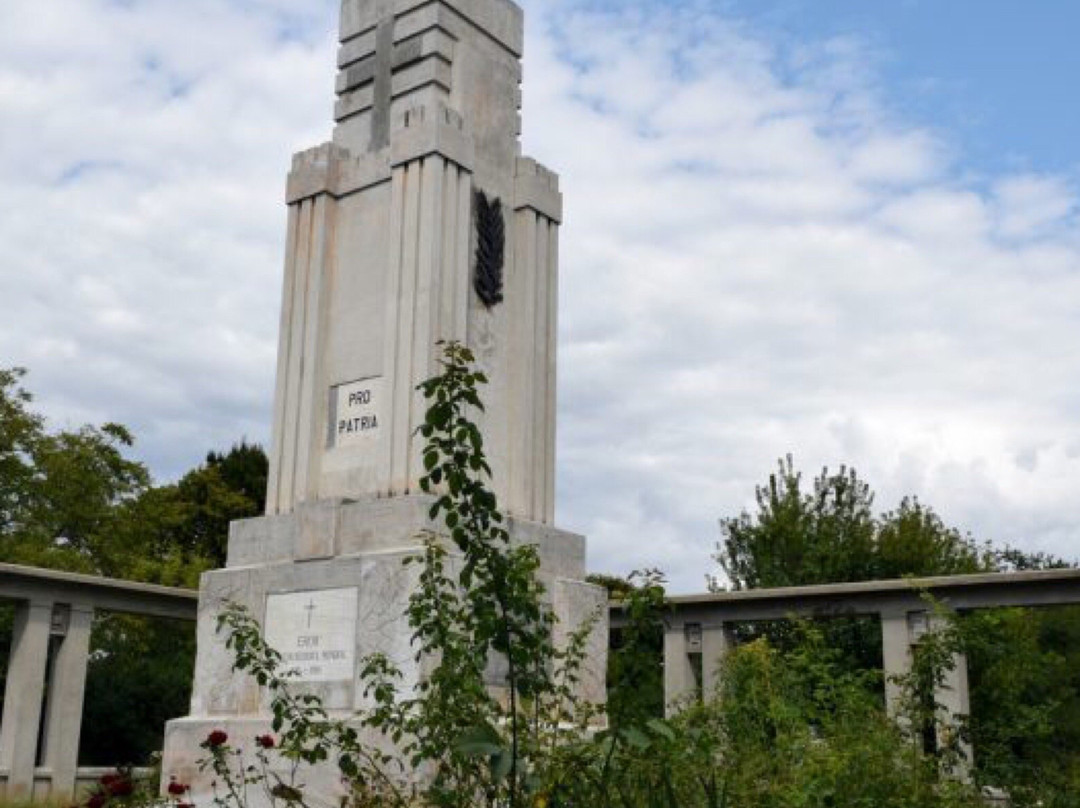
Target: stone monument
{"type": "Point", "coordinates": [419, 221]}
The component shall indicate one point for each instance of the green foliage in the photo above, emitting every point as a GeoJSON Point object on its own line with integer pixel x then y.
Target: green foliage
{"type": "Point", "coordinates": [803, 729]}
{"type": "Point", "coordinates": [139, 678]}
{"type": "Point", "coordinates": [829, 535]}
{"type": "Point", "coordinates": [1025, 677]}
{"type": "Point", "coordinates": [635, 664]}
{"type": "Point", "coordinates": [204, 501]}
{"type": "Point", "coordinates": [19, 431]}
{"type": "Point", "coordinates": [1025, 696]}
{"type": "Point", "coordinates": [788, 729]}
{"type": "Point", "coordinates": [76, 500]}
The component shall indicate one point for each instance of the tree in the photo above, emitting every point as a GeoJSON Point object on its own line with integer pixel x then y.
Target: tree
{"type": "Point", "coordinates": [20, 430]}
{"type": "Point", "coordinates": [913, 540]}
{"type": "Point", "coordinates": [76, 500]}
{"type": "Point", "coordinates": [797, 537]}
{"type": "Point", "coordinates": [1025, 695]}
{"type": "Point", "coordinates": [830, 535]}
{"type": "Point", "coordinates": [208, 498]}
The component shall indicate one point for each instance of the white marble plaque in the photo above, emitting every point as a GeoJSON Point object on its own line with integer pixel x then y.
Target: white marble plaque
{"type": "Point", "coordinates": [315, 633]}
{"type": "Point", "coordinates": [356, 410]}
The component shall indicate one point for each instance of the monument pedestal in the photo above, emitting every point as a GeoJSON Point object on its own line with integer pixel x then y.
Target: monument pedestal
{"type": "Point", "coordinates": [329, 585]}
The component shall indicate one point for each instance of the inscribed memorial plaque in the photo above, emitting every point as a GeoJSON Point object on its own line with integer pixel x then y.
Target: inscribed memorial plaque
{"type": "Point", "coordinates": [355, 409]}
{"type": "Point", "coordinates": [315, 633]}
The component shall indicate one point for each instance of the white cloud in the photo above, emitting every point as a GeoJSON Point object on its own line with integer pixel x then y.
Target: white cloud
{"type": "Point", "coordinates": [786, 267]}
{"type": "Point", "coordinates": [782, 264]}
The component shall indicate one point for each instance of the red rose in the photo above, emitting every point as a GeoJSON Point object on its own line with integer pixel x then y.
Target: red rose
{"type": "Point", "coordinates": [216, 738]}
{"type": "Point", "coordinates": [176, 789]}
{"type": "Point", "coordinates": [265, 741]}
{"type": "Point", "coordinates": [108, 779]}
{"type": "Point", "coordinates": [185, 805]}
{"type": "Point", "coordinates": [121, 788]}
{"type": "Point", "coordinates": [96, 801]}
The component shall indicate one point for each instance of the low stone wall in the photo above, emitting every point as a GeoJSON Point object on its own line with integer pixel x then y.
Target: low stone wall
{"type": "Point", "coordinates": [85, 779]}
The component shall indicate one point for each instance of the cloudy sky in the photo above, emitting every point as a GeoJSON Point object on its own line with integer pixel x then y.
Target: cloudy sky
{"type": "Point", "coordinates": [845, 231]}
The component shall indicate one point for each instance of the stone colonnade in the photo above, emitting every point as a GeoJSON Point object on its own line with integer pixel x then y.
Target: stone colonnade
{"type": "Point", "coordinates": [698, 631]}
{"type": "Point", "coordinates": [36, 683]}
{"type": "Point", "coordinates": [46, 676]}
{"type": "Point", "coordinates": [694, 654]}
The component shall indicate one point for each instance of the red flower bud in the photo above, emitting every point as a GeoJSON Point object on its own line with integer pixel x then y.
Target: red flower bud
{"type": "Point", "coordinates": [121, 787]}
{"type": "Point", "coordinates": [265, 741]}
{"type": "Point", "coordinates": [108, 779]}
{"type": "Point", "coordinates": [216, 738]}
{"type": "Point", "coordinates": [176, 789]}
{"type": "Point", "coordinates": [96, 801]}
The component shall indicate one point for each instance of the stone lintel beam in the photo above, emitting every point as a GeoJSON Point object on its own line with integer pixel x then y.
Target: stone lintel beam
{"type": "Point", "coordinates": [872, 598]}
{"type": "Point", "coordinates": [21, 583]}
{"type": "Point", "coordinates": [537, 188]}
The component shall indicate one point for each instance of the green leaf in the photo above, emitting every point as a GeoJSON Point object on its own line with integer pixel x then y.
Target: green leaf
{"type": "Point", "coordinates": [635, 737]}
{"type": "Point", "coordinates": [661, 728]}
{"type": "Point", "coordinates": [501, 764]}
{"type": "Point", "coordinates": [481, 740]}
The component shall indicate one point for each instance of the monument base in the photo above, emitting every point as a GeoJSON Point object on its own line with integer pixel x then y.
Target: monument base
{"type": "Point", "coordinates": [329, 587]}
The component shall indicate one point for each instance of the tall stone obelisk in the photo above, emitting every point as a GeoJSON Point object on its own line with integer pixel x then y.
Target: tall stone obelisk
{"type": "Point", "coordinates": [419, 221]}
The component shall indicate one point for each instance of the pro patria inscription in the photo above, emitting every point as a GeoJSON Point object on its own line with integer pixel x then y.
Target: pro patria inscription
{"type": "Point", "coordinates": [315, 633]}
{"type": "Point", "coordinates": [355, 409]}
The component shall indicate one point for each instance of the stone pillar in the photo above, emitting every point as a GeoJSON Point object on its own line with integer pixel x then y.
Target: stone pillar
{"type": "Point", "coordinates": [427, 296]}
{"type": "Point", "coordinates": [895, 655]}
{"type": "Point", "coordinates": [680, 681]}
{"type": "Point", "coordinates": [716, 642]}
{"type": "Point", "coordinates": [900, 633]}
{"type": "Point", "coordinates": [23, 696]}
{"type": "Point", "coordinates": [299, 417]}
{"type": "Point", "coordinates": [532, 304]}
{"type": "Point", "coordinates": [953, 698]}
{"type": "Point", "coordinates": [67, 684]}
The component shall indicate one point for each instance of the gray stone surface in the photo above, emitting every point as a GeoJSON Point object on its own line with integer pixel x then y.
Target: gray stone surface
{"type": "Point", "coordinates": [578, 604]}
{"type": "Point", "coordinates": [63, 717]}
{"type": "Point", "coordinates": [379, 256]}
{"type": "Point", "coordinates": [376, 524]}
{"type": "Point", "coordinates": [374, 536]}
{"type": "Point", "coordinates": [23, 696]}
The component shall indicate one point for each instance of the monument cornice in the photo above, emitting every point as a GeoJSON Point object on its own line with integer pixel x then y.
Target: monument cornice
{"type": "Point", "coordinates": [331, 169]}
{"type": "Point", "coordinates": [537, 188]}
{"type": "Point", "coordinates": [435, 129]}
